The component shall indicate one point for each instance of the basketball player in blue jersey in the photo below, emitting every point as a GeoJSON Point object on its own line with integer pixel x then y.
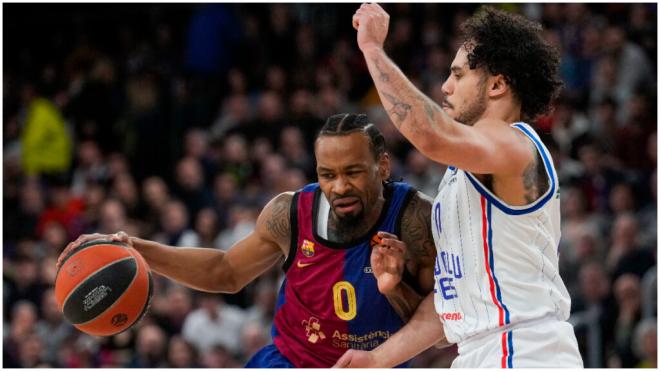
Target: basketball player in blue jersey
{"type": "Point", "coordinates": [348, 283]}
{"type": "Point", "coordinates": [496, 219]}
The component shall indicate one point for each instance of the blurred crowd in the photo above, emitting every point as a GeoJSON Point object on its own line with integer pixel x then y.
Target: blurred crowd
{"type": "Point", "coordinates": [178, 122]}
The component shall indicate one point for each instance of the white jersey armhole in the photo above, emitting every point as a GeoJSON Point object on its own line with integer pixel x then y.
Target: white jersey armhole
{"type": "Point", "coordinates": [549, 170]}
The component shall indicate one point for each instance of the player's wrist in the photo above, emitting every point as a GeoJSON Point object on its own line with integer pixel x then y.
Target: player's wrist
{"type": "Point", "coordinates": [372, 50]}
{"type": "Point", "coordinates": [392, 291]}
{"type": "Point", "coordinates": [379, 358]}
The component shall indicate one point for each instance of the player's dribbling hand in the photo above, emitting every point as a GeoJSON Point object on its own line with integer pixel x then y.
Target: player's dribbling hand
{"type": "Point", "coordinates": [84, 238]}
{"type": "Point", "coordinates": [387, 262]}
{"type": "Point", "coordinates": [371, 23]}
{"type": "Point", "coordinates": [356, 359]}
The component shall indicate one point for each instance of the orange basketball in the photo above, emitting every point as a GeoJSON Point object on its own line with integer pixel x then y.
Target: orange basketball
{"type": "Point", "coordinates": [103, 287]}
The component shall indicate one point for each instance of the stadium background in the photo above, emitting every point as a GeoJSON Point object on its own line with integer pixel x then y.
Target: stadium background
{"type": "Point", "coordinates": [177, 122]}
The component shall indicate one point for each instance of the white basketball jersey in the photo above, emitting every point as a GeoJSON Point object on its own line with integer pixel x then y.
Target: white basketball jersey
{"type": "Point", "coordinates": [497, 265]}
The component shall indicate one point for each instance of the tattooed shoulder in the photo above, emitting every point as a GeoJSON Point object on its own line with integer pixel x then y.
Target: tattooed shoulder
{"type": "Point", "coordinates": [535, 179]}
{"type": "Point", "coordinates": [416, 227]}
{"type": "Point", "coordinates": [277, 217]}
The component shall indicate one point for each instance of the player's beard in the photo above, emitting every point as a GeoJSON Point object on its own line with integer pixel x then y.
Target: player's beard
{"type": "Point", "coordinates": [348, 226]}
{"type": "Point", "coordinates": [475, 109]}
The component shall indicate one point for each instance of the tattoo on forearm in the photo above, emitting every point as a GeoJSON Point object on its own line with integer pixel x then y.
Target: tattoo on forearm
{"type": "Point", "coordinates": [278, 223]}
{"type": "Point", "coordinates": [429, 111]}
{"type": "Point", "coordinates": [381, 74]}
{"type": "Point", "coordinates": [399, 108]}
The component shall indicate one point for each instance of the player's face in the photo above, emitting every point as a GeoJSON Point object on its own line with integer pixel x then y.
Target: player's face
{"type": "Point", "coordinates": [465, 91]}
{"type": "Point", "coordinates": [348, 174]}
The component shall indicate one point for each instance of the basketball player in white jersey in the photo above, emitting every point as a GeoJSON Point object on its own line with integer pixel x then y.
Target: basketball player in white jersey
{"type": "Point", "coordinates": [498, 293]}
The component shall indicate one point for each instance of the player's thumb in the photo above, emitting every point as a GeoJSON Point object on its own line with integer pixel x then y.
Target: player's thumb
{"type": "Point", "coordinates": [345, 360]}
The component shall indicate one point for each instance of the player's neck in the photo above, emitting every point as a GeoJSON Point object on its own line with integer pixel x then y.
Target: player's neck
{"type": "Point", "coordinates": [502, 110]}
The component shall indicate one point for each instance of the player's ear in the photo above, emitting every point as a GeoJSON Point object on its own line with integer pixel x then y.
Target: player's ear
{"type": "Point", "coordinates": [384, 166]}
{"type": "Point", "coordinates": [497, 86]}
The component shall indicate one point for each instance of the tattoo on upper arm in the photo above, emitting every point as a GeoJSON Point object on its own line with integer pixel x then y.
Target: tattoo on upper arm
{"type": "Point", "coordinates": [416, 228]}
{"type": "Point", "coordinates": [279, 222]}
{"type": "Point", "coordinates": [399, 108]}
{"type": "Point", "coordinates": [529, 182]}
{"type": "Point", "coordinates": [535, 179]}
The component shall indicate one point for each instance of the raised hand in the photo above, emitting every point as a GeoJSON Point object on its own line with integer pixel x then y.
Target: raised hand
{"type": "Point", "coordinates": [371, 23]}
{"type": "Point", "coordinates": [387, 261]}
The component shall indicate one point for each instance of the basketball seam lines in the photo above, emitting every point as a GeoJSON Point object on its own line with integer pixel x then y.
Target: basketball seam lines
{"type": "Point", "coordinates": [93, 273]}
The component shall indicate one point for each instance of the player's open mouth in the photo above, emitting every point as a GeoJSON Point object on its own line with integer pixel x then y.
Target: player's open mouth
{"type": "Point", "coordinates": [347, 205]}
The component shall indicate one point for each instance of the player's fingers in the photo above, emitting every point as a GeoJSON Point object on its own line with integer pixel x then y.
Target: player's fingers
{"type": "Point", "coordinates": [393, 242]}
{"type": "Point", "coordinates": [71, 246]}
{"type": "Point", "coordinates": [383, 234]}
{"type": "Point", "coordinates": [120, 236]}
{"type": "Point", "coordinates": [344, 360]}
{"type": "Point", "coordinates": [395, 251]}
{"type": "Point", "coordinates": [356, 21]}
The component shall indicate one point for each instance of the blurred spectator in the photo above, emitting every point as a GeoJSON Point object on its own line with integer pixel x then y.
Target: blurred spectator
{"type": "Point", "coordinates": [422, 173]}
{"type": "Point", "coordinates": [150, 348]}
{"type": "Point", "coordinates": [206, 228]}
{"type": "Point", "coordinates": [218, 357]}
{"type": "Point", "coordinates": [30, 352]}
{"type": "Point", "coordinates": [22, 326]}
{"type": "Point", "coordinates": [26, 212]}
{"type": "Point", "coordinates": [253, 337]}
{"type": "Point", "coordinates": [645, 343]}
{"type": "Point", "coordinates": [155, 196]}
{"type": "Point", "coordinates": [181, 354]}
{"type": "Point", "coordinates": [90, 168]}
{"type": "Point", "coordinates": [63, 208]}
{"type": "Point", "coordinates": [292, 146]}
{"type": "Point", "coordinates": [214, 323]}
{"type": "Point", "coordinates": [51, 329]}
{"type": "Point", "coordinates": [628, 296]}
{"type": "Point", "coordinates": [174, 307]}
{"type": "Point", "coordinates": [191, 186]}
{"type": "Point", "coordinates": [45, 140]}
{"type": "Point", "coordinates": [242, 221]}
{"type": "Point", "coordinates": [112, 217]}
{"type": "Point", "coordinates": [626, 256]}
{"type": "Point", "coordinates": [174, 226]}
{"type": "Point", "coordinates": [22, 284]}
{"type": "Point", "coordinates": [125, 191]}
{"type": "Point", "coordinates": [594, 314]}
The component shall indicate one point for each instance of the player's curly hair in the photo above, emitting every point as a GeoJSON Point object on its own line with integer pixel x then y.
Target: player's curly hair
{"type": "Point", "coordinates": [510, 45]}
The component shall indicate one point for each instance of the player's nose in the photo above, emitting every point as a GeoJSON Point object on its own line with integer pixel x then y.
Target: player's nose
{"type": "Point", "coordinates": [342, 186]}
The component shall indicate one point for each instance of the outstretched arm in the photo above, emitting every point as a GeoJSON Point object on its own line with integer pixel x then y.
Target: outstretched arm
{"type": "Point", "coordinates": [484, 149]}
{"type": "Point", "coordinates": [214, 270]}
{"type": "Point", "coordinates": [422, 331]}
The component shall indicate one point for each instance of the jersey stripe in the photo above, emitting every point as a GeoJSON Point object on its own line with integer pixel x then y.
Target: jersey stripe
{"type": "Point", "coordinates": [487, 233]}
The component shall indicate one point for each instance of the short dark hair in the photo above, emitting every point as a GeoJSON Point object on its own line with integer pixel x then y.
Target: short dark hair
{"type": "Point", "coordinates": [509, 44]}
{"type": "Point", "coordinates": [349, 123]}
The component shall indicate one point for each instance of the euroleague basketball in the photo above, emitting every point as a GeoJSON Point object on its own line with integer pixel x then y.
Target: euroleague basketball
{"type": "Point", "coordinates": [103, 287]}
